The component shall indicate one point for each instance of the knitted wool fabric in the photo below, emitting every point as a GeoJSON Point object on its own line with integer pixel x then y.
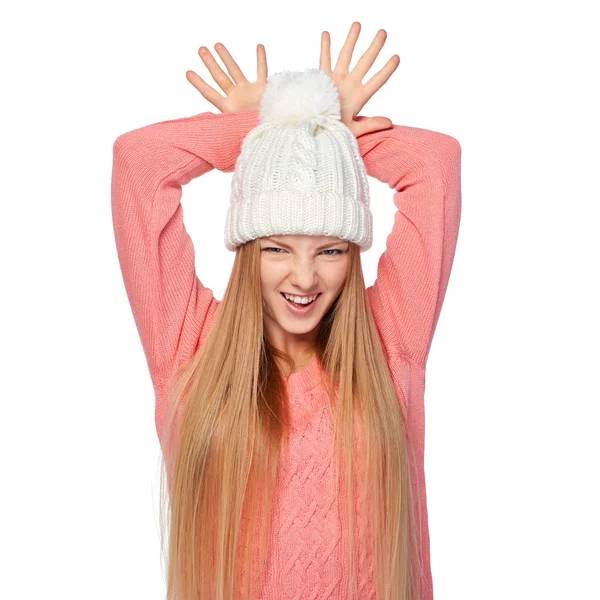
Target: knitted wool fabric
{"type": "Point", "coordinates": [300, 170]}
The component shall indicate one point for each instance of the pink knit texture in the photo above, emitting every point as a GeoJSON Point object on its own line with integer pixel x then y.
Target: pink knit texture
{"type": "Point", "coordinates": [174, 312]}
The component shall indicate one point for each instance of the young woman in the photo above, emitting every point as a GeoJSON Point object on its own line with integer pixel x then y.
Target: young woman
{"type": "Point", "coordinates": [290, 413]}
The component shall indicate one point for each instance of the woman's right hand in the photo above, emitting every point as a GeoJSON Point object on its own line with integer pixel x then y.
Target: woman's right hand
{"type": "Point", "coordinates": [241, 93]}
{"type": "Point", "coordinates": [353, 94]}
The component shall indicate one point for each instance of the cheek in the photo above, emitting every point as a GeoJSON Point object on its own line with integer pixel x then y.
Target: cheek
{"type": "Point", "coordinates": [266, 276]}
{"type": "Point", "coordinates": [335, 276]}
{"type": "Point", "coordinates": [270, 279]}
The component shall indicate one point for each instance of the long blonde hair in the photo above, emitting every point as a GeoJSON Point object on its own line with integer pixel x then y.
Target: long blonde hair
{"type": "Point", "coordinates": [227, 418]}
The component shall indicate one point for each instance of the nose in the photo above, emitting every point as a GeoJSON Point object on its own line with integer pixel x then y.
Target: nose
{"type": "Point", "coordinates": [304, 276]}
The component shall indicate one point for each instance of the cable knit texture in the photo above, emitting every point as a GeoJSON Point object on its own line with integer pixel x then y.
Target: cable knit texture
{"type": "Point", "coordinates": [300, 170]}
{"type": "Point", "coordinates": [174, 312]}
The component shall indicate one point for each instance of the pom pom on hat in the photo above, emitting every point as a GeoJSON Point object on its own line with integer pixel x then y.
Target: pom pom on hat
{"type": "Point", "coordinates": [290, 97]}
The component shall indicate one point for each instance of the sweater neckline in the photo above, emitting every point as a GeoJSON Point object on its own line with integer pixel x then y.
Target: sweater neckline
{"type": "Point", "coordinates": [305, 380]}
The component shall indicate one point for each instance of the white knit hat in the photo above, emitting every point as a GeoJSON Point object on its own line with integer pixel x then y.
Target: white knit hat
{"type": "Point", "coordinates": [299, 170]}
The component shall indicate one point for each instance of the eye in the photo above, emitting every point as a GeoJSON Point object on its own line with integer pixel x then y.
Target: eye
{"type": "Point", "coordinates": [335, 250]}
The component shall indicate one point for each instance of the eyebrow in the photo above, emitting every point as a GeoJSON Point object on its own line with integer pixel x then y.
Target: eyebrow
{"type": "Point", "coordinates": [270, 239]}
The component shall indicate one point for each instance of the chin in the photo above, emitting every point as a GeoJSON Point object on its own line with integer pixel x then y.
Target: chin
{"type": "Point", "coordinates": [298, 328]}
{"type": "Point", "coordinates": [296, 325]}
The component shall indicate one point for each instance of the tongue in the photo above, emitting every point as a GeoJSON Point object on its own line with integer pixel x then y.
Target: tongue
{"type": "Point", "coordinates": [300, 303]}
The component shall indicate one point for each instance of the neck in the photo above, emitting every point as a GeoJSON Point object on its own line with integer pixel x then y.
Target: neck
{"type": "Point", "coordinates": [301, 361]}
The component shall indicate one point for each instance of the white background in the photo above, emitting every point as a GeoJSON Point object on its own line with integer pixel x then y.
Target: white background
{"type": "Point", "coordinates": [512, 384]}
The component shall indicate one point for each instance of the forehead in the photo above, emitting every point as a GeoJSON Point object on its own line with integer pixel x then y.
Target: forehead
{"type": "Point", "coordinates": [303, 241]}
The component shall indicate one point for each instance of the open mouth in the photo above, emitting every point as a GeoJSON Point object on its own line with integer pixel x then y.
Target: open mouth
{"type": "Point", "coordinates": [298, 306]}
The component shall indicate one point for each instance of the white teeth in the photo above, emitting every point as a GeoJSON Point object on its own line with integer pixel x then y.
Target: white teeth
{"type": "Point", "coordinates": [299, 300]}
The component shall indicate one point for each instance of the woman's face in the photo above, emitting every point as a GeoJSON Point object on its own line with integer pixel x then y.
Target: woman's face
{"type": "Point", "coordinates": [300, 265]}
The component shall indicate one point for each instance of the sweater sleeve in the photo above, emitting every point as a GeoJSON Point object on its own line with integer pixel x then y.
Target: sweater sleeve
{"type": "Point", "coordinates": [170, 305]}
{"type": "Point", "coordinates": [423, 169]}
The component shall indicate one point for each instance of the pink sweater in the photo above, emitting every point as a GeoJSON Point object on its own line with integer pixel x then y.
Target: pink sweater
{"type": "Point", "coordinates": [174, 311]}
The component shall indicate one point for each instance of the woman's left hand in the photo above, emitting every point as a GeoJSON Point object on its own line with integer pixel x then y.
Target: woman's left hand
{"type": "Point", "coordinates": [353, 93]}
{"type": "Point", "coordinates": [241, 93]}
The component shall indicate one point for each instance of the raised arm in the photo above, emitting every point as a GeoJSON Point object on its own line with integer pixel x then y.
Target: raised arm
{"type": "Point", "coordinates": [423, 169]}
{"type": "Point", "coordinates": [170, 305]}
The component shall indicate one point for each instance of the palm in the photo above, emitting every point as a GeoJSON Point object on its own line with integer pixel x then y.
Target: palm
{"type": "Point", "coordinates": [353, 93]}
{"type": "Point", "coordinates": [241, 94]}
{"type": "Point", "coordinates": [243, 97]}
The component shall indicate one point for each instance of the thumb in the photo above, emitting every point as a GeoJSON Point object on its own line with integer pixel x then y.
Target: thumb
{"type": "Point", "coordinates": [370, 124]}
